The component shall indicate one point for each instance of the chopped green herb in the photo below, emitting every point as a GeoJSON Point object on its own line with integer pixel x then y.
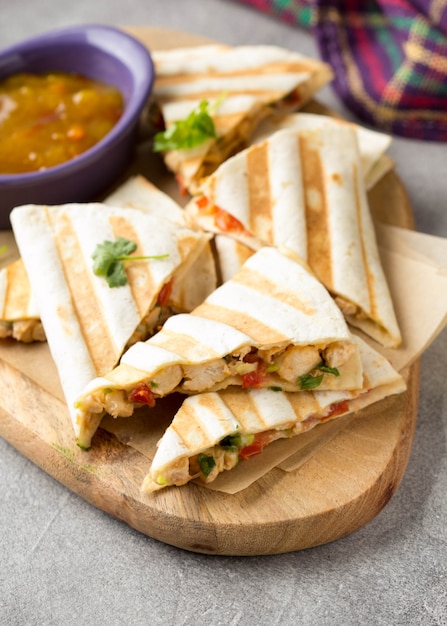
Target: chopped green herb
{"type": "Point", "coordinates": [275, 388]}
{"type": "Point", "coordinates": [309, 381]}
{"type": "Point", "coordinates": [153, 383]}
{"type": "Point", "coordinates": [189, 133]}
{"type": "Point", "coordinates": [109, 256]}
{"type": "Point", "coordinates": [231, 441]}
{"type": "Point", "coordinates": [206, 463]}
{"type": "Point", "coordinates": [328, 370]}
{"type": "Point", "coordinates": [312, 381]}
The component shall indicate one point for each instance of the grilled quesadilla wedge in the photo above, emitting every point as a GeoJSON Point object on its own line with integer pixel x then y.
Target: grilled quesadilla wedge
{"type": "Point", "coordinates": [372, 145]}
{"type": "Point", "coordinates": [272, 325]}
{"type": "Point", "coordinates": [213, 432]}
{"type": "Point", "coordinates": [89, 324]}
{"type": "Point", "coordinates": [304, 190]}
{"type": "Point", "coordinates": [194, 279]}
{"type": "Point", "coordinates": [241, 85]}
{"type": "Point", "coordinates": [19, 317]}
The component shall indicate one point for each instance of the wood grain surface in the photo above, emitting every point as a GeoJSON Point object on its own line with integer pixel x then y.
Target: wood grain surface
{"type": "Point", "coordinates": [339, 490]}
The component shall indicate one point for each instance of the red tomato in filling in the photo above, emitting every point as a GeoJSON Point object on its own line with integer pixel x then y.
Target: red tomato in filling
{"type": "Point", "coordinates": [254, 448]}
{"type": "Point", "coordinates": [337, 409]}
{"type": "Point", "coordinates": [165, 293]}
{"type": "Point", "coordinates": [142, 395]}
{"type": "Point", "coordinates": [255, 378]}
{"type": "Point", "coordinates": [227, 222]}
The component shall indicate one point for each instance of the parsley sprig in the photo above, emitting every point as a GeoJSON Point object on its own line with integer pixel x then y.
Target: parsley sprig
{"type": "Point", "coordinates": [189, 133]}
{"type": "Point", "coordinates": [109, 257]}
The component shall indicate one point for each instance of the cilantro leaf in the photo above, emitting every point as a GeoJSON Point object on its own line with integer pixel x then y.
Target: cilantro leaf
{"type": "Point", "coordinates": [185, 134]}
{"type": "Point", "coordinates": [109, 256]}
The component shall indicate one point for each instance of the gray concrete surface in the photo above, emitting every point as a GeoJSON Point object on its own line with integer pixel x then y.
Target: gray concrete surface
{"type": "Point", "coordinates": [62, 562]}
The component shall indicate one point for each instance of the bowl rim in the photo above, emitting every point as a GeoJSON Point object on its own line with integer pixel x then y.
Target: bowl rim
{"type": "Point", "coordinates": [128, 119]}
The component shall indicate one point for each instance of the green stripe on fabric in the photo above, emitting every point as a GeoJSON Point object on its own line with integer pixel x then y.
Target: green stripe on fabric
{"type": "Point", "coordinates": [394, 52]}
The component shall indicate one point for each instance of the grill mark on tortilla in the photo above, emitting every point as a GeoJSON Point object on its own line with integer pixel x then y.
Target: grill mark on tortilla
{"type": "Point", "coordinates": [184, 345]}
{"type": "Point", "coordinates": [139, 277]}
{"type": "Point", "coordinates": [265, 95]}
{"type": "Point", "coordinates": [317, 214]}
{"type": "Point", "coordinates": [261, 334]}
{"type": "Point", "coordinates": [241, 404]}
{"type": "Point", "coordinates": [192, 428]}
{"type": "Point", "coordinates": [259, 282]}
{"type": "Point", "coordinates": [260, 202]}
{"type": "Point", "coordinates": [98, 341]}
{"type": "Point", "coordinates": [190, 425]}
{"type": "Point", "coordinates": [18, 291]}
{"type": "Point", "coordinates": [272, 68]}
{"type": "Point", "coordinates": [305, 405]}
{"type": "Point", "coordinates": [369, 277]}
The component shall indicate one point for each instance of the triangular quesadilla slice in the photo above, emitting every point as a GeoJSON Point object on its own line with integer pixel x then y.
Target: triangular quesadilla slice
{"type": "Point", "coordinates": [241, 85]}
{"type": "Point", "coordinates": [272, 325]}
{"type": "Point", "coordinates": [304, 190]}
{"type": "Point", "coordinates": [88, 323]}
{"type": "Point", "coordinates": [214, 432]}
{"type": "Point", "coordinates": [372, 145]}
{"type": "Point", "coordinates": [19, 316]}
{"type": "Point", "coordinates": [194, 280]}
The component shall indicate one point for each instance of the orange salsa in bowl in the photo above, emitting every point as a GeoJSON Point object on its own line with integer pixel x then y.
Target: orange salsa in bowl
{"type": "Point", "coordinates": [47, 119]}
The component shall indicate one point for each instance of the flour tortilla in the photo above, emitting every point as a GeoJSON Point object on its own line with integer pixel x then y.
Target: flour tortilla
{"type": "Point", "coordinates": [273, 321]}
{"type": "Point", "coordinates": [300, 190]}
{"type": "Point", "coordinates": [19, 316]}
{"type": "Point", "coordinates": [87, 323]}
{"type": "Point", "coordinates": [243, 84]}
{"type": "Point", "coordinates": [207, 424]}
{"type": "Point", "coordinates": [372, 145]}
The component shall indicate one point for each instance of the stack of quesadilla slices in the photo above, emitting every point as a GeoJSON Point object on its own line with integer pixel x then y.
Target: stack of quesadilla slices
{"type": "Point", "coordinates": [242, 85]}
{"type": "Point", "coordinates": [273, 325]}
{"type": "Point", "coordinates": [303, 189]}
{"type": "Point", "coordinates": [214, 432]}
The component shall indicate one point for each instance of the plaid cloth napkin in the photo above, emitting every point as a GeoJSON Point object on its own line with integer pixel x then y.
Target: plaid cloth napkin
{"type": "Point", "coordinates": [389, 58]}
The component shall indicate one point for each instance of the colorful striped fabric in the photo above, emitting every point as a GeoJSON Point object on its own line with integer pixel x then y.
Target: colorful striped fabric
{"type": "Point", "coordinates": [389, 58]}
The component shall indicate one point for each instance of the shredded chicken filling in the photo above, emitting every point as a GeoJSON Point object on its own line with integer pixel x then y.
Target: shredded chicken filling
{"type": "Point", "coordinates": [281, 370]}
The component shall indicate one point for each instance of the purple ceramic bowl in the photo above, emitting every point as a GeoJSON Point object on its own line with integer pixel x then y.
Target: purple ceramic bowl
{"type": "Point", "coordinates": [99, 52]}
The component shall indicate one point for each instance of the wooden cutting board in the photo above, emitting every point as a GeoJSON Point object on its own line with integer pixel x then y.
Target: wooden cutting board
{"type": "Point", "coordinates": [340, 489]}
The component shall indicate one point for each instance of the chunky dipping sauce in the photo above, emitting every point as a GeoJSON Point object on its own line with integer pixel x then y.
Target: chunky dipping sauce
{"type": "Point", "coordinates": [47, 119]}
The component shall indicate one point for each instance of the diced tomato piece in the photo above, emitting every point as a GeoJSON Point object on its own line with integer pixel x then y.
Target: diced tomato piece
{"type": "Point", "coordinates": [165, 293]}
{"type": "Point", "coordinates": [255, 378]}
{"type": "Point", "coordinates": [142, 395]}
{"type": "Point", "coordinates": [337, 409]}
{"type": "Point", "coordinates": [202, 202]}
{"type": "Point", "coordinates": [227, 222]}
{"type": "Point", "coordinates": [251, 450]}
